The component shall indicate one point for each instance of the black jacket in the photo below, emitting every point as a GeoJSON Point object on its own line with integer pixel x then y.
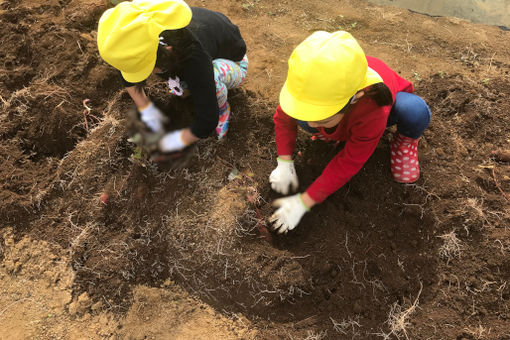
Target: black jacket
{"type": "Point", "coordinates": [215, 37]}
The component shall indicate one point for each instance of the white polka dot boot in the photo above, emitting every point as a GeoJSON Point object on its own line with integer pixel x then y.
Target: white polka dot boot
{"type": "Point", "coordinates": [404, 159]}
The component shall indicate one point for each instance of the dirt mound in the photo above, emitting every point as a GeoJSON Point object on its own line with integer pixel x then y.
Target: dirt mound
{"type": "Point", "coordinates": [170, 313]}
{"type": "Point", "coordinates": [44, 57]}
{"type": "Point", "coordinates": [38, 301]}
{"type": "Point", "coordinates": [36, 283]}
{"type": "Point", "coordinates": [358, 266]}
{"type": "Point", "coordinates": [471, 213]}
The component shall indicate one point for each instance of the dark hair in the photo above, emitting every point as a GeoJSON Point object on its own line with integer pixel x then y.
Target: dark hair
{"type": "Point", "coordinates": [380, 93]}
{"type": "Point", "coordinates": [182, 42]}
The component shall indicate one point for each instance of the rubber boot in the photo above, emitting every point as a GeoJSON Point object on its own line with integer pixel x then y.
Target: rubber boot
{"type": "Point", "coordinates": [404, 159]}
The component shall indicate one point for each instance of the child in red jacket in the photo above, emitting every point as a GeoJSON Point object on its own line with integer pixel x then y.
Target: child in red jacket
{"type": "Point", "coordinates": [337, 93]}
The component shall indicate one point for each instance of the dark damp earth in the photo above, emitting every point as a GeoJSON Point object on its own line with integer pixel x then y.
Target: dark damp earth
{"type": "Point", "coordinates": [376, 260]}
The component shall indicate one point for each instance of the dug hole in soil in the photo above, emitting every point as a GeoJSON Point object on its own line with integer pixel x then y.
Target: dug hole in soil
{"type": "Point", "coordinates": [376, 260]}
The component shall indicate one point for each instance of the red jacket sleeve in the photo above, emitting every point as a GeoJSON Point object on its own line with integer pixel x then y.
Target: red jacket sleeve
{"type": "Point", "coordinates": [285, 128]}
{"type": "Point", "coordinates": [363, 138]}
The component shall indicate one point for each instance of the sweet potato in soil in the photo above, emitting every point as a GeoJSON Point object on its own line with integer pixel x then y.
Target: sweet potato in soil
{"type": "Point", "coordinates": [354, 264]}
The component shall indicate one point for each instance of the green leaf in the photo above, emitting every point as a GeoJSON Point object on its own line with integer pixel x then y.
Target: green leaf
{"type": "Point", "coordinates": [138, 153]}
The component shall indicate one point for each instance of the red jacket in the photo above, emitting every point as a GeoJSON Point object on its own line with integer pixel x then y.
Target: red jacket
{"type": "Point", "coordinates": [361, 128]}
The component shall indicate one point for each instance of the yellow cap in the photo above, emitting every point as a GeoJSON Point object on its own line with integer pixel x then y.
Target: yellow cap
{"type": "Point", "coordinates": [325, 71]}
{"type": "Point", "coordinates": [128, 34]}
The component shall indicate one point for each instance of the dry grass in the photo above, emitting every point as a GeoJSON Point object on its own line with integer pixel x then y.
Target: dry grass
{"type": "Point", "coordinates": [398, 319]}
{"type": "Point", "coordinates": [312, 335]}
{"type": "Point", "coordinates": [477, 208]}
{"type": "Point", "coordinates": [346, 326]}
{"type": "Point", "coordinates": [451, 248]}
{"type": "Point", "coordinates": [479, 332]}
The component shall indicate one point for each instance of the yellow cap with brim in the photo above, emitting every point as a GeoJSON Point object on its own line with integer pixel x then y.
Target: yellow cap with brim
{"type": "Point", "coordinates": [128, 34]}
{"type": "Point", "coordinates": [325, 71]}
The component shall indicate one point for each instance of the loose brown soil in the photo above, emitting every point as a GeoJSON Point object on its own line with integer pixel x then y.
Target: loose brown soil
{"type": "Point", "coordinates": [185, 254]}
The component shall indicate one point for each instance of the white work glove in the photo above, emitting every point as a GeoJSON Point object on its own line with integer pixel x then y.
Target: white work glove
{"type": "Point", "coordinates": [172, 142]}
{"type": "Point", "coordinates": [289, 213]}
{"type": "Point", "coordinates": [153, 118]}
{"type": "Point", "coordinates": [284, 176]}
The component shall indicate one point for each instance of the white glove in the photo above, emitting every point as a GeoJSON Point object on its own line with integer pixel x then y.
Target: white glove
{"type": "Point", "coordinates": [172, 142]}
{"type": "Point", "coordinates": [284, 176]}
{"type": "Point", "coordinates": [153, 118]}
{"type": "Point", "coordinates": [289, 213]}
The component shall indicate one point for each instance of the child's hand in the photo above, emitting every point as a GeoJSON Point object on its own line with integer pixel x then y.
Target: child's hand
{"type": "Point", "coordinates": [153, 118]}
{"type": "Point", "coordinates": [284, 176]}
{"type": "Point", "coordinates": [177, 140]}
{"type": "Point", "coordinates": [289, 213]}
{"type": "Point", "coordinates": [172, 142]}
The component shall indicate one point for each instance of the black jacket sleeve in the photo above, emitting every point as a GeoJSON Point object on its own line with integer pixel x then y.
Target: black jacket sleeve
{"type": "Point", "coordinates": [199, 75]}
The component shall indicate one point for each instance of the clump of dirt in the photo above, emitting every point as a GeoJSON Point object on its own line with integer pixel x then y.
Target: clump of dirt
{"type": "Point", "coordinates": [24, 184]}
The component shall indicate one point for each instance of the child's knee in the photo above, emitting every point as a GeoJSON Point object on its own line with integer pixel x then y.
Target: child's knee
{"type": "Point", "coordinates": [412, 109]}
{"type": "Point", "coordinates": [421, 115]}
{"type": "Point", "coordinates": [230, 73]}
